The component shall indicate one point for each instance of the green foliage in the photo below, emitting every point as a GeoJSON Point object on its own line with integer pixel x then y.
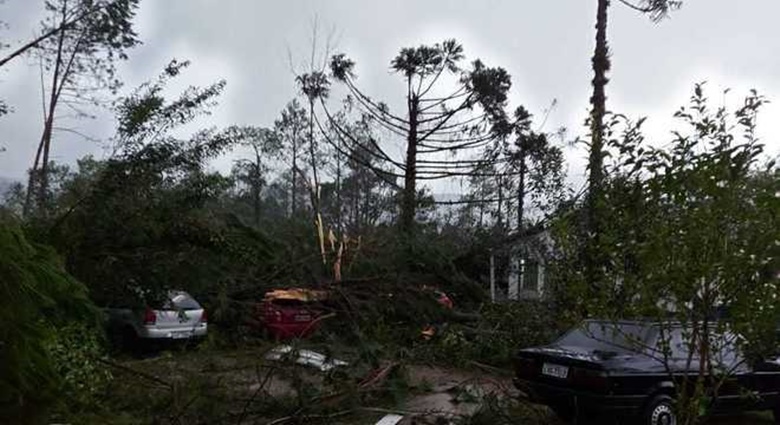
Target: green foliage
{"type": "Point", "coordinates": [658, 9]}
{"type": "Point", "coordinates": [38, 299]}
{"type": "Point", "coordinates": [94, 35]}
{"type": "Point", "coordinates": [75, 350]}
{"type": "Point", "coordinates": [428, 60]}
{"type": "Point", "coordinates": [146, 117]}
{"type": "Point", "coordinates": [493, 339]}
{"type": "Point", "coordinates": [149, 218]}
{"type": "Point", "coordinates": [690, 228]}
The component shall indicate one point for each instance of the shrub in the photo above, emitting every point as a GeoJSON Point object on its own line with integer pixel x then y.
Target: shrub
{"type": "Point", "coordinates": [500, 330]}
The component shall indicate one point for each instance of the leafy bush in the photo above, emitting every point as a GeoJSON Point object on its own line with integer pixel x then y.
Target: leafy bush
{"type": "Point", "coordinates": [75, 350]}
{"type": "Point", "coordinates": [37, 297]}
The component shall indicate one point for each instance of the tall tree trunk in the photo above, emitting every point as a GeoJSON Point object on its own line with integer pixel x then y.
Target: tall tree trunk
{"type": "Point", "coordinates": [521, 193]}
{"type": "Point", "coordinates": [315, 189]}
{"type": "Point", "coordinates": [43, 185]}
{"type": "Point", "coordinates": [256, 187]}
{"type": "Point", "coordinates": [500, 208]}
{"type": "Point", "coordinates": [294, 174]}
{"type": "Point", "coordinates": [601, 65]}
{"type": "Point", "coordinates": [32, 179]}
{"type": "Point", "coordinates": [41, 177]}
{"type": "Point", "coordinates": [313, 155]}
{"type": "Point", "coordinates": [339, 221]}
{"type": "Point", "coordinates": [409, 199]}
{"type": "Point", "coordinates": [520, 214]}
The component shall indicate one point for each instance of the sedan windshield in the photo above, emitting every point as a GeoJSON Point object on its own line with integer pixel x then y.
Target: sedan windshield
{"type": "Point", "coordinates": [609, 337]}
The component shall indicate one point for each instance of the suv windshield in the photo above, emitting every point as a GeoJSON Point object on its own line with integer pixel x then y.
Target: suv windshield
{"type": "Point", "coordinates": [609, 336]}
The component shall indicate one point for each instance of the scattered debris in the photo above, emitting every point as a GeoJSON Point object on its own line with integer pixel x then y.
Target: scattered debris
{"type": "Point", "coordinates": [390, 419]}
{"type": "Point", "coordinates": [305, 357]}
{"type": "Point", "coordinates": [454, 394]}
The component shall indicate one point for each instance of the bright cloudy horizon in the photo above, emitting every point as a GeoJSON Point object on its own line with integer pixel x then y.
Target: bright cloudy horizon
{"type": "Point", "coordinates": [545, 46]}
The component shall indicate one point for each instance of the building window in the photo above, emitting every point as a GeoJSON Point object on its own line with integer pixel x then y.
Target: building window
{"type": "Point", "coordinates": [530, 275]}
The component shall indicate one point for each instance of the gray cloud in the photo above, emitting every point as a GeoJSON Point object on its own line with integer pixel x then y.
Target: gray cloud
{"type": "Point", "coordinates": [545, 45]}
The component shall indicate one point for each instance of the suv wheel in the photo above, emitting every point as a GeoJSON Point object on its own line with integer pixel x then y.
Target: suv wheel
{"type": "Point", "coordinates": [660, 411]}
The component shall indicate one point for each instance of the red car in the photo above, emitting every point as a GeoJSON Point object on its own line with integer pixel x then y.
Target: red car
{"type": "Point", "coordinates": [443, 299]}
{"type": "Point", "coordinates": [290, 313]}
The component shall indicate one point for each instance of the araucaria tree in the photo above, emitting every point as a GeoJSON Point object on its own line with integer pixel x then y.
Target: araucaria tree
{"type": "Point", "coordinates": [657, 10]}
{"type": "Point", "coordinates": [520, 165]}
{"type": "Point", "coordinates": [448, 112]}
{"type": "Point", "coordinates": [79, 58]}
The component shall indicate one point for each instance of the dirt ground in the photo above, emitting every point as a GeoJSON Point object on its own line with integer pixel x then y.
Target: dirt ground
{"type": "Point", "coordinates": [248, 388]}
{"type": "Point", "coordinates": [241, 386]}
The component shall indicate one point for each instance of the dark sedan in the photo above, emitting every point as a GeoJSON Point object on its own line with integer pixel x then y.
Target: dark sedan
{"type": "Point", "coordinates": [617, 369]}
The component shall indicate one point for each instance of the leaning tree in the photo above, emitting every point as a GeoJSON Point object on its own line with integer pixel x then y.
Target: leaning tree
{"type": "Point", "coordinates": [448, 114]}
{"type": "Point", "coordinates": [79, 56]}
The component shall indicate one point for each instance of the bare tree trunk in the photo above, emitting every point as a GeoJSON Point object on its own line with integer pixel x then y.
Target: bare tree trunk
{"type": "Point", "coordinates": [256, 188]}
{"type": "Point", "coordinates": [293, 174]}
{"type": "Point", "coordinates": [339, 221]}
{"type": "Point", "coordinates": [521, 193]}
{"type": "Point", "coordinates": [500, 207]}
{"type": "Point", "coordinates": [32, 180]}
{"type": "Point", "coordinates": [315, 189]}
{"type": "Point", "coordinates": [313, 155]}
{"type": "Point", "coordinates": [43, 186]}
{"type": "Point", "coordinates": [520, 227]}
{"type": "Point", "coordinates": [601, 65]}
{"type": "Point", "coordinates": [409, 199]}
{"type": "Point", "coordinates": [41, 177]}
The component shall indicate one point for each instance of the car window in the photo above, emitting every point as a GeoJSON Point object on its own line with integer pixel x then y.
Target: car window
{"type": "Point", "coordinates": [723, 347]}
{"type": "Point", "coordinates": [609, 337]}
{"type": "Point", "coordinates": [678, 344]}
{"type": "Point", "coordinates": [288, 302]}
{"type": "Point", "coordinates": [182, 301]}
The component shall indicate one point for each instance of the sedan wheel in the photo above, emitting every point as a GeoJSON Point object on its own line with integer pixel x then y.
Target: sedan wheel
{"type": "Point", "coordinates": [660, 412]}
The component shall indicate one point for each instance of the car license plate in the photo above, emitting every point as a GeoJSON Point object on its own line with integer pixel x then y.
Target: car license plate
{"type": "Point", "coordinates": [302, 317]}
{"type": "Point", "coordinates": [181, 335]}
{"type": "Point", "coordinates": [555, 370]}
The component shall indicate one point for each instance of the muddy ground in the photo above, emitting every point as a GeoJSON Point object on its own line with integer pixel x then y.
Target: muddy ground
{"type": "Point", "coordinates": [242, 386]}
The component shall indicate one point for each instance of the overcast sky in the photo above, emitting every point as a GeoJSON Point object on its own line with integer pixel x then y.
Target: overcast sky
{"type": "Point", "coordinates": [545, 45]}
